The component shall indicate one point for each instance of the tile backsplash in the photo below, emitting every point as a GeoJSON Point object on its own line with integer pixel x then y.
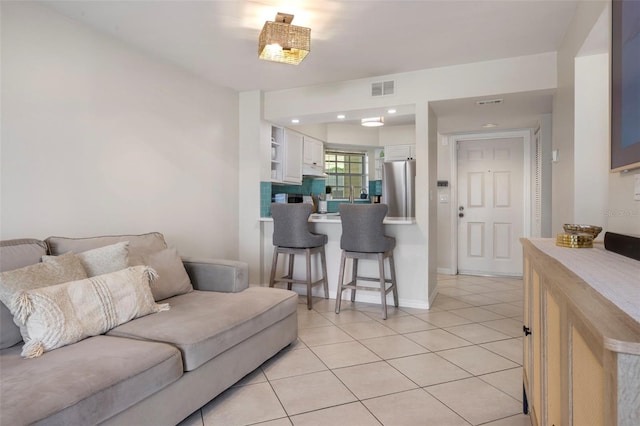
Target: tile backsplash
{"type": "Point", "coordinates": [309, 186]}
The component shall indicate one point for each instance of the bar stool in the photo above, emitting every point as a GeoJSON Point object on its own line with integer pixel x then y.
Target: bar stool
{"type": "Point", "coordinates": [363, 239]}
{"type": "Point", "coordinates": [291, 236]}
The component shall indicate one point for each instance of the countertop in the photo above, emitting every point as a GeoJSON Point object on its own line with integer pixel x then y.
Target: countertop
{"type": "Point", "coordinates": [614, 276]}
{"type": "Point", "coordinates": [335, 218]}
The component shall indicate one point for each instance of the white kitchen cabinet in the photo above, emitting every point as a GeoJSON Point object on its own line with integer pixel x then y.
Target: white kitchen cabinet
{"type": "Point", "coordinates": [399, 152]}
{"type": "Point", "coordinates": [277, 153]}
{"type": "Point", "coordinates": [313, 157]}
{"type": "Point", "coordinates": [379, 159]}
{"type": "Point", "coordinates": [292, 161]}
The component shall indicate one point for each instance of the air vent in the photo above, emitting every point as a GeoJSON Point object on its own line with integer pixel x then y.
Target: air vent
{"type": "Point", "coordinates": [383, 88]}
{"type": "Point", "coordinates": [489, 101]}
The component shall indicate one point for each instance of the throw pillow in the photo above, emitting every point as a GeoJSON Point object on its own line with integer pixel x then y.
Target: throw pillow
{"type": "Point", "coordinates": [16, 254]}
{"type": "Point", "coordinates": [102, 260]}
{"type": "Point", "coordinates": [172, 277]}
{"type": "Point", "coordinates": [66, 313]}
{"type": "Point", "coordinates": [60, 270]}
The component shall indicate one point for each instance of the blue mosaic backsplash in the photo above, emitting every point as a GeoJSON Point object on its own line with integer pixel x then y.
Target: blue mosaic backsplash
{"type": "Point", "coordinates": [309, 186]}
{"type": "Point", "coordinates": [375, 187]}
{"type": "Point", "coordinates": [265, 199]}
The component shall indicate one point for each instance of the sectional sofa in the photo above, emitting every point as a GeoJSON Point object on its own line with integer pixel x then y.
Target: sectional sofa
{"type": "Point", "coordinates": [153, 370]}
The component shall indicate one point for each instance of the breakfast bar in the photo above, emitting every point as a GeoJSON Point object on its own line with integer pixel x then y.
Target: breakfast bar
{"type": "Point", "coordinates": [410, 258]}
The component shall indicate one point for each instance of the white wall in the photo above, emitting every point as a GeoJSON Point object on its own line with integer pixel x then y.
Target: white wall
{"type": "Point", "coordinates": [99, 138]}
{"type": "Point", "coordinates": [581, 131]}
{"type": "Point", "coordinates": [563, 192]}
{"type": "Point", "coordinates": [350, 134]}
{"type": "Point", "coordinates": [397, 135]}
{"type": "Point", "coordinates": [591, 152]}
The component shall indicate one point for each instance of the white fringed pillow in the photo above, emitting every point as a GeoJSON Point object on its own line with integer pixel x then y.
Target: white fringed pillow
{"type": "Point", "coordinates": [66, 313]}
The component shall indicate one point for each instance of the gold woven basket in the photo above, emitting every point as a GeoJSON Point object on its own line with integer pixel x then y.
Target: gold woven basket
{"type": "Point", "coordinates": [574, 240]}
{"type": "Point", "coordinates": [571, 228]}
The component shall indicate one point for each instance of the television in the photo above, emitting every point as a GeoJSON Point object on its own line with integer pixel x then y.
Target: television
{"type": "Point", "coordinates": [625, 85]}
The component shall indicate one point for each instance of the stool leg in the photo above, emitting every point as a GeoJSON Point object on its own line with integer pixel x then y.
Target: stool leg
{"type": "Point", "coordinates": [274, 263]}
{"type": "Point", "coordinates": [392, 266]}
{"type": "Point", "coordinates": [323, 261]}
{"type": "Point", "coordinates": [354, 278]}
{"type": "Point", "coordinates": [383, 287]}
{"type": "Point", "coordinates": [292, 258]}
{"type": "Point", "coordinates": [340, 282]}
{"type": "Point", "coordinates": [307, 253]}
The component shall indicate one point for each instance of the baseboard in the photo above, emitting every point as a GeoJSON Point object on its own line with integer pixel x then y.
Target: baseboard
{"type": "Point", "coordinates": [365, 297]}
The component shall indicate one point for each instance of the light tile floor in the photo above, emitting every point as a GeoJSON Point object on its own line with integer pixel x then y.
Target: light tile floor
{"type": "Point", "coordinates": [459, 363]}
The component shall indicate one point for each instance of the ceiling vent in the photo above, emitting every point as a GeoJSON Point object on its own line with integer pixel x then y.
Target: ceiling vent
{"type": "Point", "coordinates": [490, 101]}
{"type": "Point", "coordinates": [383, 88]}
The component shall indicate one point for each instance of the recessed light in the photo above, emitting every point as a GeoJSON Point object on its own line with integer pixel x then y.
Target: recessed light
{"type": "Point", "coordinates": [372, 122]}
{"type": "Point", "coordinates": [341, 116]}
{"type": "Point", "coordinates": [489, 125]}
{"type": "Point", "coordinates": [391, 111]}
{"type": "Point", "coordinates": [295, 121]}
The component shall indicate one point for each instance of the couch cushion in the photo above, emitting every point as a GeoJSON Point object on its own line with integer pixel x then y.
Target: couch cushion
{"type": "Point", "coordinates": [16, 254]}
{"type": "Point", "coordinates": [84, 383]}
{"type": "Point", "coordinates": [63, 314]}
{"type": "Point", "coordinates": [138, 244]}
{"type": "Point", "coordinates": [203, 324]}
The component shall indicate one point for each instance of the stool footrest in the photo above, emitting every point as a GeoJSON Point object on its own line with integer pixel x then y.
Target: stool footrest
{"type": "Point", "coordinates": [287, 279]}
{"type": "Point", "coordinates": [364, 287]}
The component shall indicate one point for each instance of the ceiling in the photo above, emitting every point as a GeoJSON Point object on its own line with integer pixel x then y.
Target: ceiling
{"type": "Point", "coordinates": [351, 39]}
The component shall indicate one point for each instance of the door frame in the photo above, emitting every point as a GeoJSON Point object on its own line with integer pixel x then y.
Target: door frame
{"type": "Point", "coordinates": [525, 134]}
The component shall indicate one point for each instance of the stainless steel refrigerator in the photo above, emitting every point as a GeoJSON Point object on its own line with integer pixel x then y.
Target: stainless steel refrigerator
{"type": "Point", "coordinates": [398, 187]}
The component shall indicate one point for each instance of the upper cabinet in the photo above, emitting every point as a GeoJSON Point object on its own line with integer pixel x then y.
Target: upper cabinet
{"type": "Point", "coordinates": [313, 156]}
{"type": "Point", "coordinates": [286, 155]}
{"type": "Point", "coordinates": [292, 165]}
{"type": "Point", "coordinates": [399, 152]}
{"type": "Point", "coordinates": [277, 153]}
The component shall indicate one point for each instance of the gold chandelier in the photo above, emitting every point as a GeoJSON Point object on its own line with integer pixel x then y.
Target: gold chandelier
{"type": "Point", "coordinates": [282, 42]}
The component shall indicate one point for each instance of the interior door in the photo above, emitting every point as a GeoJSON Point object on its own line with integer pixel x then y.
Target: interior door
{"type": "Point", "coordinates": [490, 206]}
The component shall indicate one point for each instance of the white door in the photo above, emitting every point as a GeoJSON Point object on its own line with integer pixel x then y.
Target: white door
{"type": "Point", "coordinates": [490, 206]}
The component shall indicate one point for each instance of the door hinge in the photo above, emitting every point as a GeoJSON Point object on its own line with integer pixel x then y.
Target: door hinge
{"type": "Point", "coordinates": [527, 330]}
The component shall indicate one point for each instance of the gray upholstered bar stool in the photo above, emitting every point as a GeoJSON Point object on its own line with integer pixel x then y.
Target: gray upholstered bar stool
{"type": "Point", "coordinates": [291, 236]}
{"type": "Point", "coordinates": [363, 239]}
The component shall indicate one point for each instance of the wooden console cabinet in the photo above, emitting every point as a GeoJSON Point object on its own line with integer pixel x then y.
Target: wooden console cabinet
{"type": "Point", "coordinates": [581, 351]}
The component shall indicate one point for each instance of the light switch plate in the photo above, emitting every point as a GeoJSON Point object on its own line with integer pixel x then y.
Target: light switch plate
{"type": "Point", "coordinates": [636, 187]}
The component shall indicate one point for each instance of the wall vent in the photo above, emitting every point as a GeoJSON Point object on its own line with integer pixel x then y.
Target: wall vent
{"type": "Point", "coordinates": [383, 88]}
{"type": "Point", "coordinates": [490, 101]}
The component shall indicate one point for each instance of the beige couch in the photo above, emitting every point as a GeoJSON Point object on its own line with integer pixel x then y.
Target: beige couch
{"type": "Point", "coordinates": [154, 370]}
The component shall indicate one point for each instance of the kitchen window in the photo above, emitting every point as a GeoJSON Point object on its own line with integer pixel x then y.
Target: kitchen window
{"type": "Point", "coordinates": [345, 170]}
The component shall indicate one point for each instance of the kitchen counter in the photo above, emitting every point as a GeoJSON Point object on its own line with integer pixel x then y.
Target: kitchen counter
{"type": "Point", "coordinates": [335, 218]}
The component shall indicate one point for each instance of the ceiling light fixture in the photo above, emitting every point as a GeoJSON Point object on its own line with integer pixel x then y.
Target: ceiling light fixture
{"type": "Point", "coordinates": [282, 42]}
{"type": "Point", "coordinates": [372, 122]}
{"type": "Point", "coordinates": [341, 116]}
{"type": "Point", "coordinates": [489, 125]}
{"type": "Point", "coordinates": [391, 111]}
{"type": "Point", "coordinates": [295, 120]}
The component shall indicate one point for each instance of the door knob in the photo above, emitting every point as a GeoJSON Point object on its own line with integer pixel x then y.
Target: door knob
{"type": "Point", "coordinates": [461, 214]}
{"type": "Point", "coordinates": [461, 208]}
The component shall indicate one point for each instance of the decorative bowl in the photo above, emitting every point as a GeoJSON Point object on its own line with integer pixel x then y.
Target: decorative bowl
{"type": "Point", "coordinates": [571, 228]}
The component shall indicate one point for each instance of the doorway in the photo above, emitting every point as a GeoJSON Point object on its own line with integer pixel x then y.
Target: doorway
{"type": "Point", "coordinates": [491, 208]}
